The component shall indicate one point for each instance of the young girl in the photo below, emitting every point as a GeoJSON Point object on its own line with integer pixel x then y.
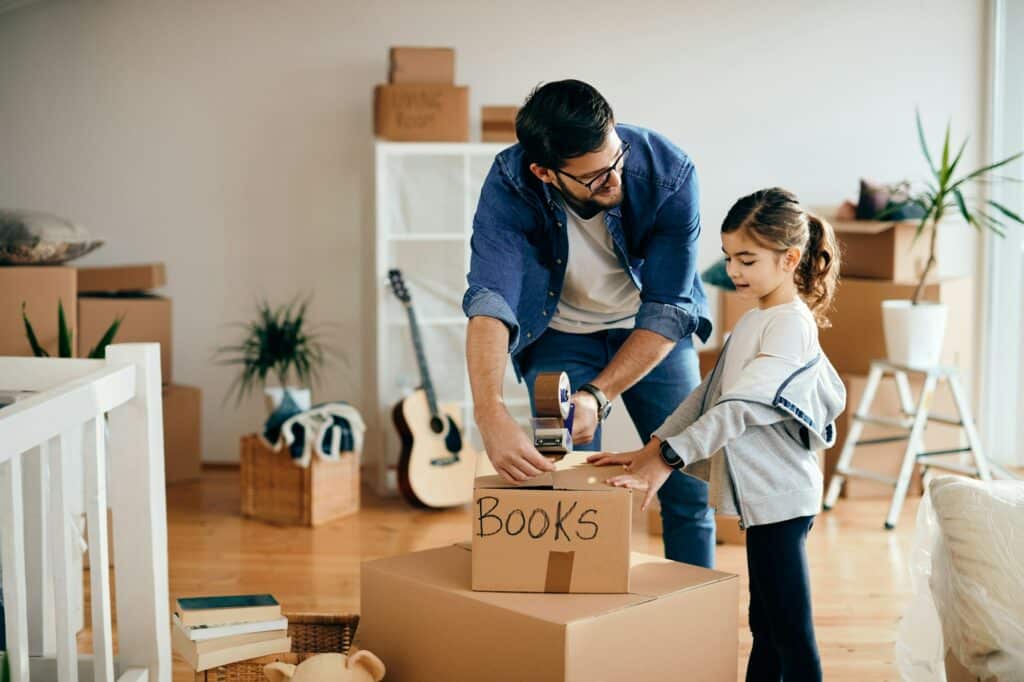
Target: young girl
{"type": "Point", "coordinates": [753, 426]}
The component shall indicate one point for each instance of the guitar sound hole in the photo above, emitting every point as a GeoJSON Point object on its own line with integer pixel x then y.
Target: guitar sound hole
{"type": "Point", "coordinates": [436, 425]}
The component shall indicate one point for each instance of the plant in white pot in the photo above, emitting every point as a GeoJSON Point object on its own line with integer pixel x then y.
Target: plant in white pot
{"type": "Point", "coordinates": [281, 344]}
{"type": "Point", "coordinates": [914, 329]}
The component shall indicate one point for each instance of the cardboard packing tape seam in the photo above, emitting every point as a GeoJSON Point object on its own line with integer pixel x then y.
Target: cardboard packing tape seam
{"type": "Point", "coordinates": [559, 573]}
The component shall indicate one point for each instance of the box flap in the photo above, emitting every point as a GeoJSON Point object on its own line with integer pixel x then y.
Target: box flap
{"type": "Point", "coordinates": [571, 473]}
{"type": "Point", "coordinates": [449, 569]}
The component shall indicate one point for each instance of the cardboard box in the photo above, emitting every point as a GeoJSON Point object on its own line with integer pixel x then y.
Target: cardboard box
{"type": "Point", "coordinates": [122, 278]}
{"type": "Point", "coordinates": [567, 532]}
{"type": "Point", "coordinates": [887, 458]}
{"type": "Point", "coordinates": [422, 65]}
{"type": "Point", "coordinates": [413, 605]}
{"type": "Point", "coordinates": [422, 113]}
{"type": "Point", "coordinates": [856, 336]}
{"type": "Point", "coordinates": [182, 433]}
{"type": "Point", "coordinates": [40, 287]}
{"type": "Point", "coordinates": [728, 531]}
{"type": "Point", "coordinates": [707, 358]}
{"type": "Point", "coordinates": [146, 319]}
{"type": "Point", "coordinates": [498, 124]}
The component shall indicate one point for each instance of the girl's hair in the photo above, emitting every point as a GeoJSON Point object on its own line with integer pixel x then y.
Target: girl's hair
{"type": "Point", "coordinates": [775, 219]}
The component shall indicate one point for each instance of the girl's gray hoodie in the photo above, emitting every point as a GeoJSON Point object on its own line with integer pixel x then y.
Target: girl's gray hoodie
{"type": "Point", "coordinates": [757, 444]}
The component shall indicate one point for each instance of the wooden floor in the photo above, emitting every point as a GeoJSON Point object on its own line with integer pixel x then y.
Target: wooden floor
{"type": "Point", "coordinates": [859, 570]}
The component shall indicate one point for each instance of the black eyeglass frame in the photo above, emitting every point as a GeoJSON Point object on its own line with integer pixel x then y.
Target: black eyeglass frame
{"type": "Point", "coordinates": [604, 175]}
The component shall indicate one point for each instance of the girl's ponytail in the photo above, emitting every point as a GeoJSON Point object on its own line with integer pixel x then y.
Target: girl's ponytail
{"type": "Point", "coordinates": [818, 272]}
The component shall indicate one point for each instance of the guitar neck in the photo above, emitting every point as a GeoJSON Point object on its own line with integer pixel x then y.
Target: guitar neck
{"type": "Point", "coordinates": [421, 360]}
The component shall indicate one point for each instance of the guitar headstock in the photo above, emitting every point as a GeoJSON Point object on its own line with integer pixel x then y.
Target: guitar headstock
{"type": "Point", "coordinates": [398, 286]}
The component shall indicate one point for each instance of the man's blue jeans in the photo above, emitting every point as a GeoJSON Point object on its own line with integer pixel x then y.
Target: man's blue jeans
{"type": "Point", "coordinates": [689, 526]}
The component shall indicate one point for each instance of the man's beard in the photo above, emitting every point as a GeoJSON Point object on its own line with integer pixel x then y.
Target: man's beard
{"type": "Point", "coordinates": [591, 206]}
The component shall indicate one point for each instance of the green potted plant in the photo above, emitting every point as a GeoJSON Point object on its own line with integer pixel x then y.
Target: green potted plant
{"type": "Point", "coordinates": [914, 329]}
{"type": "Point", "coordinates": [65, 339]}
{"type": "Point", "coordinates": [280, 344]}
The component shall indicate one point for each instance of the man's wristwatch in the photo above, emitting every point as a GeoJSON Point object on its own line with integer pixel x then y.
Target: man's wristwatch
{"type": "Point", "coordinates": [604, 406]}
{"type": "Point", "coordinates": [670, 456]}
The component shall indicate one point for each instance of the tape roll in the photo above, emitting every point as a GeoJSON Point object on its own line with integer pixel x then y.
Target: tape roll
{"type": "Point", "coordinates": [552, 395]}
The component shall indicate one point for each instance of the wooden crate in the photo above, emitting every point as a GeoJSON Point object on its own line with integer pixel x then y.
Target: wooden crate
{"type": "Point", "coordinates": [276, 490]}
{"type": "Point", "coordinates": [311, 635]}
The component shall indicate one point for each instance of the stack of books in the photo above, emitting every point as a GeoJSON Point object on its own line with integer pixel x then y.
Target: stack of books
{"type": "Point", "coordinates": [214, 631]}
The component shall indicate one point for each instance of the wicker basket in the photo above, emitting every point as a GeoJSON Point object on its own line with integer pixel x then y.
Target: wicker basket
{"type": "Point", "coordinates": [311, 635]}
{"type": "Point", "coordinates": [275, 490]}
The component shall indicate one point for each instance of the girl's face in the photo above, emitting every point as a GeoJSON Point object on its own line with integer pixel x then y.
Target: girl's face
{"type": "Point", "coordinates": [757, 271]}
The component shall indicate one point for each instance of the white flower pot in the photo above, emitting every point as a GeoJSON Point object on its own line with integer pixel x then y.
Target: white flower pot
{"type": "Point", "coordinates": [273, 395]}
{"type": "Point", "coordinates": [914, 333]}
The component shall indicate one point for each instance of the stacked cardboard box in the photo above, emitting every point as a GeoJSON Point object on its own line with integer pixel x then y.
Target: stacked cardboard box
{"type": "Point", "coordinates": [880, 262]}
{"type": "Point", "coordinates": [127, 292]}
{"type": "Point", "coordinates": [548, 590]}
{"type": "Point", "coordinates": [421, 102]}
{"type": "Point", "coordinates": [39, 288]}
{"type": "Point", "coordinates": [498, 124]}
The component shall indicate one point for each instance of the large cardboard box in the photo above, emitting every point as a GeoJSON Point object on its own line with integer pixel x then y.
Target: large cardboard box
{"type": "Point", "coordinates": [887, 458]}
{"type": "Point", "coordinates": [146, 319]}
{"type": "Point", "coordinates": [121, 278]}
{"type": "Point", "coordinates": [856, 336]}
{"type": "Point", "coordinates": [414, 607]}
{"type": "Point", "coordinates": [39, 288]}
{"type": "Point", "coordinates": [567, 531]}
{"type": "Point", "coordinates": [422, 65]}
{"type": "Point", "coordinates": [422, 113]}
{"type": "Point", "coordinates": [182, 433]}
{"type": "Point", "coordinates": [498, 124]}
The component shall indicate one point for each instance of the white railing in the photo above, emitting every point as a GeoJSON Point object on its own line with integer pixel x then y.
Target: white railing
{"type": "Point", "coordinates": [49, 440]}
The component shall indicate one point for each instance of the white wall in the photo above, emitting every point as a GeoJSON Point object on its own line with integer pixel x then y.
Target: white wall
{"type": "Point", "coordinates": [232, 139]}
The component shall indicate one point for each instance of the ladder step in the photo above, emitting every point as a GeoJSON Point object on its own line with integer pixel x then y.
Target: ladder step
{"type": "Point", "coordinates": [939, 453]}
{"type": "Point", "coordinates": [970, 471]}
{"type": "Point", "coordinates": [850, 472]}
{"type": "Point", "coordinates": [881, 441]}
{"type": "Point", "coordinates": [894, 422]}
{"type": "Point", "coordinates": [943, 419]}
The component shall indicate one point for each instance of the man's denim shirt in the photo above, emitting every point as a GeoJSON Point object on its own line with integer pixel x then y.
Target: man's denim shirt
{"type": "Point", "coordinates": [520, 248]}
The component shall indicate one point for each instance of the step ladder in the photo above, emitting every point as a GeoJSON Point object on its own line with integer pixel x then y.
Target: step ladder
{"type": "Point", "coordinates": [913, 421]}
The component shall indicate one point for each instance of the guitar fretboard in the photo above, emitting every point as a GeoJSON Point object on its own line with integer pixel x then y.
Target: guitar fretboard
{"type": "Point", "coordinates": [421, 360]}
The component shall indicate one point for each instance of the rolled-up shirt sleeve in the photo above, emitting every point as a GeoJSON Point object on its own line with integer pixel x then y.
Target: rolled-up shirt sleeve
{"type": "Point", "coordinates": [496, 260]}
{"type": "Point", "coordinates": [668, 305]}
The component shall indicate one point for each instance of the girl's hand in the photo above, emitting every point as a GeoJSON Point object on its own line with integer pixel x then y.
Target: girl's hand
{"type": "Point", "coordinates": [645, 468]}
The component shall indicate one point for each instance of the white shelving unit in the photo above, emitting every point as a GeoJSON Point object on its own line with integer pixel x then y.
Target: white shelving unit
{"type": "Point", "coordinates": [426, 195]}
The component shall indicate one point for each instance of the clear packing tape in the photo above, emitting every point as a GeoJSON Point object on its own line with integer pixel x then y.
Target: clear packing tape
{"type": "Point", "coordinates": [967, 578]}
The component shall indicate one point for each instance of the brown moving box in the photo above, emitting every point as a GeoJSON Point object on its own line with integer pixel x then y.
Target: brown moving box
{"type": "Point", "coordinates": [146, 319]}
{"type": "Point", "coordinates": [567, 532]}
{"type": "Point", "coordinates": [412, 605]}
{"type": "Point", "coordinates": [498, 124]}
{"type": "Point", "coordinates": [707, 357]}
{"type": "Point", "coordinates": [422, 65]}
{"type": "Point", "coordinates": [182, 429]}
{"type": "Point", "coordinates": [728, 531]}
{"type": "Point", "coordinates": [40, 287]}
{"type": "Point", "coordinates": [422, 113]}
{"type": "Point", "coordinates": [856, 336]}
{"type": "Point", "coordinates": [881, 249]}
{"type": "Point", "coordinates": [887, 458]}
{"type": "Point", "coordinates": [121, 278]}
{"type": "Point", "coordinates": [956, 672]}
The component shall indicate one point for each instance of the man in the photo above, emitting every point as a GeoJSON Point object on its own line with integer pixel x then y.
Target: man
{"type": "Point", "coordinates": [584, 260]}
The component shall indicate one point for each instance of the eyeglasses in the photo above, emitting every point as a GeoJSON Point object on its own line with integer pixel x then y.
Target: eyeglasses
{"type": "Point", "coordinates": [597, 183]}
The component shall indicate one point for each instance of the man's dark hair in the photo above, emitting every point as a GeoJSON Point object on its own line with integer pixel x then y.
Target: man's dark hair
{"type": "Point", "coordinates": [562, 120]}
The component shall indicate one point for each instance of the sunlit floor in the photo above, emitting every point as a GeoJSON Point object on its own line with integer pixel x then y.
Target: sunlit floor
{"type": "Point", "coordinates": [859, 570]}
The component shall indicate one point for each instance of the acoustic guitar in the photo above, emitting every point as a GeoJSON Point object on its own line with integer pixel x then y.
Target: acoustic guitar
{"type": "Point", "coordinates": [437, 464]}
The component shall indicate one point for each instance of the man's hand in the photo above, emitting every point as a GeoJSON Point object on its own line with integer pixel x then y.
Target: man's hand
{"type": "Point", "coordinates": [645, 469]}
{"type": "Point", "coordinates": [584, 420]}
{"type": "Point", "coordinates": [510, 450]}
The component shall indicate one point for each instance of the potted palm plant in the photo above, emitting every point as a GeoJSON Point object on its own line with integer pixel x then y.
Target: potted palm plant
{"type": "Point", "coordinates": [278, 344]}
{"type": "Point", "coordinates": [914, 329]}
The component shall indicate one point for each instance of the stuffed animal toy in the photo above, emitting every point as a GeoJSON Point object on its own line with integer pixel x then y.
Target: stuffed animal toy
{"type": "Point", "coordinates": [360, 666]}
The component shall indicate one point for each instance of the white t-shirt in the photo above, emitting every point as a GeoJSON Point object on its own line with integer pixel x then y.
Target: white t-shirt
{"type": "Point", "coordinates": [787, 331]}
{"type": "Point", "coordinates": [597, 293]}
